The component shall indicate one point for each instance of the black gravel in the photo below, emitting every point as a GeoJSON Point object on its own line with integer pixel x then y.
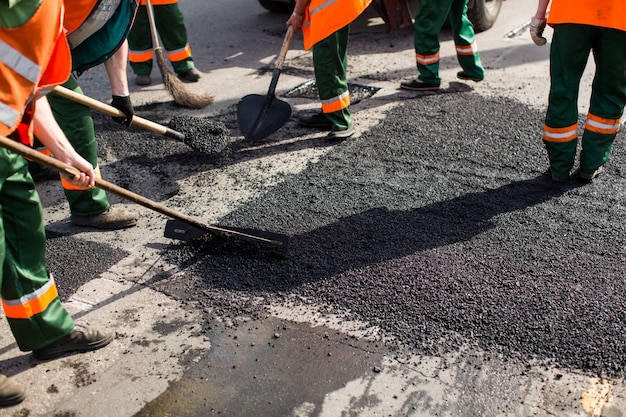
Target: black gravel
{"type": "Point", "coordinates": [439, 227]}
{"type": "Point", "coordinates": [202, 134]}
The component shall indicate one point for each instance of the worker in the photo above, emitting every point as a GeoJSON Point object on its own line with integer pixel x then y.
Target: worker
{"type": "Point", "coordinates": [427, 24]}
{"type": "Point", "coordinates": [581, 27]}
{"type": "Point", "coordinates": [325, 29]}
{"type": "Point", "coordinates": [35, 56]}
{"type": "Point", "coordinates": [170, 25]}
{"type": "Point", "coordinates": [93, 42]}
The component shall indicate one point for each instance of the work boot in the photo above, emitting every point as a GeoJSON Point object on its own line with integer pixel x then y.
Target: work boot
{"type": "Point", "coordinates": [143, 79]}
{"type": "Point", "coordinates": [419, 85]}
{"type": "Point", "coordinates": [462, 75]}
{"type": "Point", "coordinates": [339, 135]}
{"type": "Point", "coordinates": [77, 341]}
{"type": "Point", "coordinates": [193, 75]}
{"type": "Point", "coordinates": [113, 218]}
{"type": "Point", "coordinates": [587, 177]}
{"type": "Point", "coordinates": [11, 393]}
{"type": "Point", "coordinates": [318, 120]}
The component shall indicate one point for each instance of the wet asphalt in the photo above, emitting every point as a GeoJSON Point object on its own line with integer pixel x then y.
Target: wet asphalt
{"type": "Point", "coordinates": [438, 226]}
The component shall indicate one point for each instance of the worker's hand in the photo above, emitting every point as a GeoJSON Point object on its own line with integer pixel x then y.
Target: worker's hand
{"type": "Point", "coordinates": [536, 31]}
{"type": "Point", "coordinates": [123, 104]}
{"type": "Point", "coordinates": [86, 178]}
{"type": "Point", "coordinates": [295, 20]}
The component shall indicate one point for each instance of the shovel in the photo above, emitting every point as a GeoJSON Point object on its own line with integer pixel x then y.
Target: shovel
{"type": "Point", "coordinates": [206, 144]}
{"type": "Point", "coordinates": [259, 116]}
{"type": "Point", "coordinates": [112, 111]}
{"type": "Point", "coordinates": [192, 227]}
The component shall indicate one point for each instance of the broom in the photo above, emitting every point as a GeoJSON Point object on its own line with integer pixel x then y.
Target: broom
{"type": "Point", "coordinates": [177, 89]}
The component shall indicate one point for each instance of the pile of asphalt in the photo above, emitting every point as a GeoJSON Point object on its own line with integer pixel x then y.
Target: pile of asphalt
{"type": "Point", "coordinates": [202, 133]}
{"type": "Point", "coordinates": [439, 227]}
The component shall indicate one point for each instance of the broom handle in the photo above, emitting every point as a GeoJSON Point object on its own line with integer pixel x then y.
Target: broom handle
{"type": "Point", "coordinates": [153, 30]}
{"type": "Point", "coordinates": [35, 155]}
{"type": "Point", "coordinates": [112, 111]}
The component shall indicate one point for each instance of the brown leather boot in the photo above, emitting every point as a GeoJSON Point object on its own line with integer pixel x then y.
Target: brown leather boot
{"type": "Point", "coordinates": [77, 341]}
{"type": "Point", "coordinates": [11, 393]}
{"type": "Point", "coordinates": [113, 218]}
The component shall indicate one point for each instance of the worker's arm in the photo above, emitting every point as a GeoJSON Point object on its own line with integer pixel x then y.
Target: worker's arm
{"type": "Point", "coordinates": [538, 23]}
{"type": "Point", "coordinates": [116, 71]}
{"type": "Point", "coordinates": [50, 134]}
{"type": "Point", "coordinates": [542, 7]}
{"type": "Point", "coordinates": [297, 16]}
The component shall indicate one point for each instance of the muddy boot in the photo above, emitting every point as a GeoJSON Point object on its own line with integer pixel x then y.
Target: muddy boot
{"type": "Point", "coordinates": [78, 341]}
{"type": "Point", "coordinates": [11, 393]}
{"type": "Point", "coordinates": [193, 75]}
{"type": "Point", "coordinates": [113, 218]}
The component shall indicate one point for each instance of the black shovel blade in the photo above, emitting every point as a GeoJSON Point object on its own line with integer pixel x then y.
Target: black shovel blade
{"type": "Point", "coordinates": [177, 229]}
{"type": "Point", "coordinates": [260, 116]}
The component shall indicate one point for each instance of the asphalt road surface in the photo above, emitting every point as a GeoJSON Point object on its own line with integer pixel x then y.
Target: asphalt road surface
{"type": "Point", "coordinates": [432, 268]}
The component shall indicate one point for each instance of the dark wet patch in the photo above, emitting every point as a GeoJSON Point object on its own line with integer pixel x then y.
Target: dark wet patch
{"type": "Point", "coordinates": [250, 369]}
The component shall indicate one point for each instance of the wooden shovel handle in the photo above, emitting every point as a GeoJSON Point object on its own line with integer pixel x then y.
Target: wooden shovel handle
{"type": "Point", "coordinates": [112, 111]}
{"type": "Point", "coordinates": [37, 156]}
{"type": "Point", "coordinates": [284, 48]}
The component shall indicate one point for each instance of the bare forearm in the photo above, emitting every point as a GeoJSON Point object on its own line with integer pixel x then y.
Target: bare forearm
{"type": "Point", "coordinates": [297, 16]}
{"type": "Point", "coordinates": [542, 7]}
{"type": "Point", "coordinates": [50, 134]}
{"type": "Point", "coordinates": [116, 71]}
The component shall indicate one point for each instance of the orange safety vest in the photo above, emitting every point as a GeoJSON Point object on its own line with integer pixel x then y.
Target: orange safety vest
{"type": "Point", "coordinates": [76, 12]}
{"type": "Point", "coordinates": [323, 18]}
{"type": "Point", "coordinates": [602, 13]}
{"type": "Point", "coordinates": [33, 56]}
{"type": "Point", "coordinates": [158, 2]}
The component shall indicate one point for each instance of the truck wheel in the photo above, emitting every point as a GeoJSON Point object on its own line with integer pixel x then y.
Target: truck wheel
{"type": "Point", "coordinates": [483, 13]}
{"type": "Point", "coordinates": [277, 6]}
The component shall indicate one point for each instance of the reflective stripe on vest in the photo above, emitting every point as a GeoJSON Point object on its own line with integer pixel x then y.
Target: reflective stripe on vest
{"type": "Point", "coordinates": [560, 134]}
{"type": "Point", "coordinates": [19, 63]}
{"type": "Point", "coordinates": [31, 304]}
{"type": "Point", "coordinates": [602, 125]}
{"type": "Point", "coordinates": [334, 104]}
{"type": "Point", "coordinates": [77, 11]}
{"type": "Point", "coordinates": [96, 20]}
{"type": "Point", "coordinates": [27, 67]}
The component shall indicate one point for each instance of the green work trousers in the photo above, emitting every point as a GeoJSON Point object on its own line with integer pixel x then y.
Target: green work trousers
{"type": "Point", "coordinates": [22, 253]}
{"type": "Point", "coordinates": [171, 29]}
{"type": "Point", "coordinates": [427, 24]}
{"type": "Point", "coordinates": [77, 123]}
{"type": "Point", "coordinates": [330, 63]}
{"type": "Point", "coordinates": [569, 53]}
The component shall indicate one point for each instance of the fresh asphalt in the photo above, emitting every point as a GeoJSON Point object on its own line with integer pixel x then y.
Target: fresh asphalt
{"type": "Point", "coordinates": [432, 269]}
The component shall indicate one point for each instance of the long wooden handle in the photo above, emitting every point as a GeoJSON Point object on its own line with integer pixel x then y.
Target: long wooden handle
{"type": "Point", "coordinates": [112, 111]}
{"type": "Point", "coordinates": [32, 154]}
{"type": "Point", "coordinates": [284, 48]}
{"type": "Point", "coordinates": [153, 29]}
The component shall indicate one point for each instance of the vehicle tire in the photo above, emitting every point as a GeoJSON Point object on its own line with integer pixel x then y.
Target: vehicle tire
{"type": "Point", "coordinates": [276, 6]}
{"type": "Point", "coordinates": [483, 13]}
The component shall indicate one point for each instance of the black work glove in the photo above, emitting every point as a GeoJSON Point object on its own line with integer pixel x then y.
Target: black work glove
{"type": "Point", "coordinates": [123, 104]}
